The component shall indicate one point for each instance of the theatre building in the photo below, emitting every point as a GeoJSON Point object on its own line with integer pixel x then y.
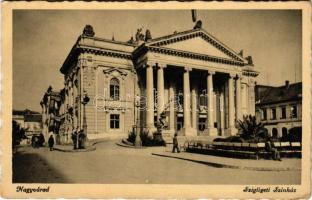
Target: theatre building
{"type": "Point", "coordinates": [200, 84]}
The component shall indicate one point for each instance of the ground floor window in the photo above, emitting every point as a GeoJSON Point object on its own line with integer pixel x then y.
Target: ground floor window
{"type": "Point", "coordinates": [114, 121]}
{"type": "Point", "coordinates": [179, 123]}
{"type": "Point", "coordinates": [284, 132]}
{"type": "Point", "coordinates": [274, 133]}
{"type": "Point", "coordinates": [202, 124]}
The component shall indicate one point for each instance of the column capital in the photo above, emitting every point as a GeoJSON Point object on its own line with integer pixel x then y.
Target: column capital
{"type": "Point", "coordinates": [210, 72]}
{"type": "Point", "coordinates": [147, 65]}
{"type": "Point", "coordinates": [232, 75]}
{"type": "Point", "coordinates": [160, 65]}
{"type": "Point", "coordinates": [239, 76]}
{"type": "Point", "coordinates": [187, 69]}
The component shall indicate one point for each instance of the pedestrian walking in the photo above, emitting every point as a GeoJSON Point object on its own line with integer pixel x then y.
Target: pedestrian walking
{"type": "Point", "coordinates": [175, 144]}
{"type": "Point", "coordinates": [51, 142]}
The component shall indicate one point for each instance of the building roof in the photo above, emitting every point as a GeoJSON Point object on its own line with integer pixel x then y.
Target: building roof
{"type": "Point", "coordinates": [33, 118]}
{"type": "Point", "coordinates": [24, 112]}
{"type": "Point", "coordinates": [90, 43]}
{"type": "Point", "coordinates": [269, 94]}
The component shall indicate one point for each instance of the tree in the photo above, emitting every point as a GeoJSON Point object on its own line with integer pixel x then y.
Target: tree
{"type": "Point", "coordinates": [250, 129]}
{"type": "Point", "coordinates": [16, 134]}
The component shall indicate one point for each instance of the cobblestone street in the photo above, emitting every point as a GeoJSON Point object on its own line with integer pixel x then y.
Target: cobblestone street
{"type": "Point", "coordinates": [110, 163]}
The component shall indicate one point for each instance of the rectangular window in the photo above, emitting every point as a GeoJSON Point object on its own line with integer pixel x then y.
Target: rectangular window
{"type": "Point", "coordinates": [264, 114]}
{"type": "Point", "coordinates": [273, 113]}
{"type": "Point", "coordinates": [293, 111]}
{"type": "Point", "coordinates": [114, 121]}
{"type": "Point", "coordinates": [114, 92]}
{"type": "Point", "coordinates": [202, 124]}
{"type": "Point", "coordinates": [283, 112]}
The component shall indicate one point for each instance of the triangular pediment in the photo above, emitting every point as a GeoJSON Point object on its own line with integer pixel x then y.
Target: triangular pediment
{"type": "Point", "coordinates": [115, 72]}
{"type": "Point", "coordinates": [198, 45]}
{"type": "Point", "coordinates": [199, 42]}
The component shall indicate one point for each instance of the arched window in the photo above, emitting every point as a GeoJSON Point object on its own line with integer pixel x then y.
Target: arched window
{"type": "Point", "coordinates": [274, 133]}
{"type": "Point", "coordinates": [284, 132]}
{"type": "Point", "coordinates": [114, 89]}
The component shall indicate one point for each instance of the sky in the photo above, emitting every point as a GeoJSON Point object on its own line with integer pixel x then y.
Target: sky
{"type": "Point", "coordinates": [42, 40]}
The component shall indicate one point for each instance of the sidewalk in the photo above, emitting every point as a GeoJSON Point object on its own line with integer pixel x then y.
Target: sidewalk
{"type": "Point", "coordinates": [287, 164]}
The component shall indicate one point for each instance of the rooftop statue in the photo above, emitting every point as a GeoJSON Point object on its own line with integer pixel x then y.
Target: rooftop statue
{"type": "Point", "coordinates": [241, 53]}
{"type": "Point", "coordinates": [131, 41]}
{"type": "Point", "coordinates": [139, 36]}
{"type": "Point", "coordinates": [88, 31]}
{"type": "Point", "coordinates": [148, 35]}
{"type": "Point", "coordinates": [249, 59]}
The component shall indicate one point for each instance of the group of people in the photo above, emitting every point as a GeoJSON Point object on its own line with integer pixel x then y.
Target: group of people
{"type": "Point", "coordinates": [79, 139]}
{"type": "Point", "coordinates": [38, 141]}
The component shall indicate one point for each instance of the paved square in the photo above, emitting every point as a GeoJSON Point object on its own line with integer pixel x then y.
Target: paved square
{"type": "Point", "coordinates": [110, 163]}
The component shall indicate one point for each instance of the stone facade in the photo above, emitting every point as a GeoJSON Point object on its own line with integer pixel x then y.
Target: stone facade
{"type": "Point", "coordinates": [51, 120]}
{"type": "Point", "coordinates": [201, 85]}
{"type": "Point", "coordinates": [279, 108]}
{"type": "Point", "coordinates": [29, 120]}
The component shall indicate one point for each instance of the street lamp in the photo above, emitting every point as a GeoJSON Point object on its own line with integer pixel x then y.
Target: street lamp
{"type": "Point", "coordinates": [85, 100]}
{"type": "Point", "coordinates": [137, 142]}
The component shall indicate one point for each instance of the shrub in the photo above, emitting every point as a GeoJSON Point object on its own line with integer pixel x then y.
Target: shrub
{"type": "Point", "coordinates": [250, 129]}
{"type": "Point", "coordinates": [156, 140]}
{"type": "Point", "coordinates": [131, 137]}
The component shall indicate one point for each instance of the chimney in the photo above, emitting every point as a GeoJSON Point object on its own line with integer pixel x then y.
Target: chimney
{"type": "Point", "coordinates": [287, 84]}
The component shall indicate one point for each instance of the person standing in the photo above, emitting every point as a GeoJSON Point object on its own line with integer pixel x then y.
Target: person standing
{"type": "Point", "coordinates": [51, 142]}
{"type": "Point", "coordinates": [74, 139]}
{"type": "Point", "coordinates": [269, 146]}
{"type": "Point", "coordinates": [175, 144]}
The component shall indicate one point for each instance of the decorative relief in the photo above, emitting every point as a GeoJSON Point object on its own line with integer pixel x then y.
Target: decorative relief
{"type": "Point", "coordinates": [115, 72]}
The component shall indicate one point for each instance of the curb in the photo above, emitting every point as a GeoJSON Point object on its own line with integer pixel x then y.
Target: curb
{"type": "Point", "coordinates": [128, 146]}
{"type": "Point", "coordinates": [219, 165]}
{"type": "Point", "coordinates": [90, 148]}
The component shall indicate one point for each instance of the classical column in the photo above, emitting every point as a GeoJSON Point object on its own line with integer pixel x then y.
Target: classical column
{"type": "Point", "coordinates": [160, 90]}
{"type": "Point", "coordinates": [188, 130]}
{"type": "Point", "coordinates": [222, 116]}
{"type": "Point", "coordinates": [194, 109]}
{"type": "Point", "coordinates": [231, 128]}
{"type": "Point", "coordinates": [238, 98]}
{"type": "Point", "coordinates": [171, 106]}
{"type": "Point", "coordinates": [211, 129]}
{"type": "Point", "coordinates": [149, 99]}
{"type": "Point", "coordinates": [186, 98]}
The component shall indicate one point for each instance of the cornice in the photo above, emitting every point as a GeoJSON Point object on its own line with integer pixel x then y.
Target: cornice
{"type": "Point", "coordinates": [105, 52]}
{"type": "Point", "coordinates": [250, 73]}
{"type": "Point", "coordinates": [191, 55]}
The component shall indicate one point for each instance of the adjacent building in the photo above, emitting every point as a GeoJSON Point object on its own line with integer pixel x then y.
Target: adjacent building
{"type": "Point", "coordinates": [279, 108]}
{"type": "Point", "coordinates": [29, 120]}
{"type": "Point", "coordinates": [199, 83]}
{"type": "Point", "coordinates": [50, 104]}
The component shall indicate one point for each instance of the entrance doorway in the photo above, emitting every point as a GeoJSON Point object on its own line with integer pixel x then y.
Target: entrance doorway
{"type": "Point", "coordinates": [179, 125]}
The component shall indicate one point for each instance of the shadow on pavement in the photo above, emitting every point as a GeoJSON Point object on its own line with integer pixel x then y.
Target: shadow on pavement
{"type": "Point", "coordinates": [30, 167]}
